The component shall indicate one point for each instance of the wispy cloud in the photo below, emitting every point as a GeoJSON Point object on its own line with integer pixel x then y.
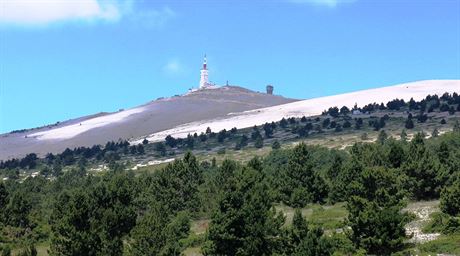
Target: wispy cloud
{"type": "Point", "coordinates": [154, 18]}
{"type": "Point", "coordinates": [173, 67]}
{"type": "Point", "coordinates": [327, 3]}
{"type": "Point", "coordinates": [44, 12]}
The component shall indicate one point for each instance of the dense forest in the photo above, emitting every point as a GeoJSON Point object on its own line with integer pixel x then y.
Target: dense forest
{"type": "Point", "coordinates": [123, 212]}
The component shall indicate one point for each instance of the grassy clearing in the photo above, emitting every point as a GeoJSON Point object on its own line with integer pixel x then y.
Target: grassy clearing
{"type": "Point", "coordinates": [330, 217]}
{"type": "Point", "coordinates": [42, 250]}
{"type": "Point", "coordinates": [192, 251]}
{"type": "Point", "coordinates": [445, 244]}
{"type": "Point", "coordinates": [199, 226]}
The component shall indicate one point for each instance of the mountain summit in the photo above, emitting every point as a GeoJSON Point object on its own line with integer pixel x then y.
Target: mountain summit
{"type": "Point", "coordinates": [155, 116]}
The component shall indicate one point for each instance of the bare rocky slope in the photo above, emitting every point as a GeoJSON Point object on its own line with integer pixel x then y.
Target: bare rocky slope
{"type": "Point", "coordinates": [416, 90]}
{"type": "Point", "coordinates": [155, 116]}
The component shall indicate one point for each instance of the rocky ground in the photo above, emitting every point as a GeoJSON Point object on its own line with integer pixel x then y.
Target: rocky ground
{"type": "Point", "coordinates": [422, 211]}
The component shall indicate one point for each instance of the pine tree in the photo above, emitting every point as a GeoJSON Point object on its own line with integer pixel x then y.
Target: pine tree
{"type": "Point", "coordinates": [375, 216]}
{"type": "Point", "coordinates": [382, 137]}
{"type": "Point", "coordinates": [409, 123]}
{"type": "Point", "coordinates": [276, 144]}
{"type": "Point", "coordinates": [403, 135]}
{"type": "Point", "coordinates": [244, 222]}
{"type": "Point", "coordinates": [456, 128]}
{"type": "Point", "coordinates": [450, 199]}
{"type": "Point", "coordinates": [259, 143]}
{"type": "Point", "coordinates": [158, 234]}
{"type": "Point", "coordinates": [422, 170]}
{"type": "Point", "coordinates": [94, 221]}
{"type": "Point", "coordinates": [3, 203]}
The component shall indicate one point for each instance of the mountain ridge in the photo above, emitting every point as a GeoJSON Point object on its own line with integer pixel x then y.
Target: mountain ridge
{"type": "Point", "coordinates": [153, 116]}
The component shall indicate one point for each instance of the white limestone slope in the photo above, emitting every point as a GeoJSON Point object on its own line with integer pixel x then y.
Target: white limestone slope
{"type": "Point", "coordinates": [417, 90]}
{"type": "Point", "coordinates": [70, 131]}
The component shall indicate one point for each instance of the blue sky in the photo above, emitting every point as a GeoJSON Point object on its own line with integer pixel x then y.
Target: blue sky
{"type": "Point", "coordinates": [68, 58]}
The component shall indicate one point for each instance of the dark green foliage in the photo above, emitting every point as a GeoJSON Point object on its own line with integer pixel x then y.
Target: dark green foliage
{"type": "Point", "coordinates": [456, 128]}
{"type": "Point", "coordinates": [350, 171]}
{"type": "Point", "coordinates": [29, 161]}
{"type": "Point", "coordinates": [170, 141]}
{"type": "Point", "coordinates": [157, 233]}
{"type": "Point", "coordinates": [395, 104]}
{"type": "Point", "coordinates": [326, 122]}
{"type": "Point", "coordinates": [243, 142]}
{"type": "Point", "coordinates": [225, 173]}
{"type": "Point", "coordinates": [94, 221]}
{"type": "Point", "coordinates": [444, 107]}
{"type": "Point", "coordinates": [379, 124]}
{"type": "Point", "coordinates": [71, 225]}
{"type": "Point", "coordinates": [409, 123]}
{"type": "Point", "coordinates": [3, 203]}
{"type": "Point", "coordinates": [244, 222]}
{"type": "Point", "coordinates": [450, 199]}
{"type": "Point", "coordinates": [344, 111]}
{"type": "Point", "coordinates": [18, 209]}
{"type": "Point", "coordinates": [202, 137]}
{"type": "Point", "coordinates": [435, 133]}
{"type": "Point", "coordinates": [176, 186]}
{"type": "Point", "coordinates": [333, 124]}
{"type": "Point", "coordinates": [283, 123]}
{"type": "Point", "coordinates": [382, 137]}
{"type": "Point", "coordinates": [302, 184]}
{"type": "Point", "coordinates": [189, 141]}
{"type": "Point", "coordinates": [358, 123]}
{"type": "Point", "coordinates": [268, 129]}
{"type": "Point", "coordinates": [315, 244]}
{"type": "Point", "coordinates": [259, 143]}
{"type": "Point", "coordinates": [160, 148]}
{"type": "Point", "coordinates": [140, 149]}
{"type": "Point", "coordinates": [222, 135]}
{"type": "Point", "coordinates": [255, 133]}
{"type": "Point", "coordinates": [302, 240]}
{"type": "Point", "coordinates": [395, 154]}
{"type": "Point", "coordinates": [403, 135]}
{"type": "Point", "coordinates": [276, 145]}
{"type": "Point", "coordinates": [338, 128]}
{"type": "Point", "coordinates": [421, 169]}
{"type": "Point", "coordinates": [412, 104]}
{"type": "Point", "coordinates": [30, 250]}
{"type": "Point", "coordinates": [375, 217]}
{"type": "Point", "coordinates": [334, 111]}
{"type": "Point", "coordinates": [421, 118]}
{"type": "Point", "coordinates": [5, 250]}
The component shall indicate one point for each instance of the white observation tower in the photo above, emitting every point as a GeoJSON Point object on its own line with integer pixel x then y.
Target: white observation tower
{"type": "Point", "coordinates": [204, 82]}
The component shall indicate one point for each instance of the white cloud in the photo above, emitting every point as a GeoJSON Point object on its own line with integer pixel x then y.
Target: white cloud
{"type": "Point", "coordinates": [44, 12]}
{"type": "Point", "coordinates": [328, 3]}
{"type": "Point", "coordinates": [173, 67]}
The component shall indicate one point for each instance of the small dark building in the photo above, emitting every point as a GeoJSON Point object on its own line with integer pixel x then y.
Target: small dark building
{"type": "Point", "coordinates": [269, 89]}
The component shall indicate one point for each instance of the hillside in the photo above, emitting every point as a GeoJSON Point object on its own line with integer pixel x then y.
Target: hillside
{"type": "Point", "coordinates": [155, 116]}
{"type": "Point", "coordinates": [416, 90]}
